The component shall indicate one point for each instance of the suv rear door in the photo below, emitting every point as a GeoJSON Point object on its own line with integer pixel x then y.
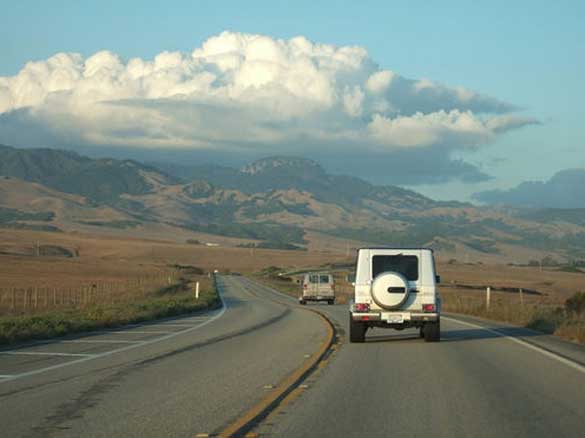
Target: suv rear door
{"type": "Point", "coordinates": [408, 263]}
{"type": "Point", "coordinates": [318, 284]}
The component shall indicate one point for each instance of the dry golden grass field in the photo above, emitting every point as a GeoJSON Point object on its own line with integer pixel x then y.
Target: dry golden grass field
{"type": "Point", "coordinates": [34, 267]}
{"type": "Point", "coordinates": [110, 259]}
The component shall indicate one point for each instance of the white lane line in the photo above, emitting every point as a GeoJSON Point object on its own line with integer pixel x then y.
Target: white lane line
{"type": "Point", "coordinates": [6, 376]}
{"type": "Point", "coordinates": [44, 353]}
{"type": "Point", "coordinates": [94, 341]}
{"type": "Point", "coordinates": [533, 347]}
{"type": "Point", "coordinates": [164, 324]}
{"type": "Point", "coordinates": [121, 349]}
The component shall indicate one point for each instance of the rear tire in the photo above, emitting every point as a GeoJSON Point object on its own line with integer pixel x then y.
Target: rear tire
{"type": "Point", "coordinates": [357, 331]}
{"type": "Point", "coordinates": [432, 331]}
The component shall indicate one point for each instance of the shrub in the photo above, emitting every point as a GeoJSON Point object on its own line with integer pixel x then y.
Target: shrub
{"type": "Point", "coordinates": [576, 303]}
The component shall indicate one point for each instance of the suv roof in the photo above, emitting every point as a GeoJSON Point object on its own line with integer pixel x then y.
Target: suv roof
{"type": "Point", "coordinates": [397, 247]}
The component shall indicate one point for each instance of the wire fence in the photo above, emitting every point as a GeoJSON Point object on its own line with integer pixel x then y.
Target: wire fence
{"type": "Point", "coordinates": [16, 300]}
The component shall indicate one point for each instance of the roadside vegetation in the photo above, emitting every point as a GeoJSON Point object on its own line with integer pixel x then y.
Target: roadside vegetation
{"type": "Point", "coordinates": [564, 320]}
{"type": "Point", "coordinates": [171, 300]}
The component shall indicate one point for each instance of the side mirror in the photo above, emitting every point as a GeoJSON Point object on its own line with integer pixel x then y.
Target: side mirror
{"type": "Point", "coordinates": [437, 279]}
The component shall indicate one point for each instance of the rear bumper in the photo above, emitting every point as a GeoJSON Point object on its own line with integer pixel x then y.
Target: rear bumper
{"type": "Point", "coordinates": [389, 318]}
{"type": "Point", "coordinates": [317, 298]}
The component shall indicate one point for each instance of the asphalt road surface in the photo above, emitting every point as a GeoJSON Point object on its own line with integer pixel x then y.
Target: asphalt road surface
{"type": "Point", "coordinates": [481, 380]}
{"type": "Point", "coordinates": [174, 378]}
{"type": "Point", "coordinates": [194, 375]}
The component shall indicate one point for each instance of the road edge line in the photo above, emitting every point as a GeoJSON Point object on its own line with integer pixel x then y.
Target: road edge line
{"type": "Point", "coordinates": [269, 403]}
{"type": "Point", "coordinates": [559, 358]}
{"type": "Point", "coordinates": [218, 315]}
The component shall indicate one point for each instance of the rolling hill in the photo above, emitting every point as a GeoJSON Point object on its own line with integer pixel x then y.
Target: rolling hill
{"type": "Point", "coordinates": [101, 180]}
{"type": "Point", "coordinates": [282, 202]}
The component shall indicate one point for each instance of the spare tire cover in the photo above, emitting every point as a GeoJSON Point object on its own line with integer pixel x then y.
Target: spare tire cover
{"type": "Point", "coordinates": [390, 290]}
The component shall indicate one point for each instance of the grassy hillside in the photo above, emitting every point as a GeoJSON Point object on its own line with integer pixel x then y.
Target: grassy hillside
{"type": "Point", "coordinates": [276, 202]}
{"type": "Point", "coordinates": [102, 180]}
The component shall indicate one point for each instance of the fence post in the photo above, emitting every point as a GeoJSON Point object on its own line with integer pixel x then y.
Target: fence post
{"type": "Point", "coordinates": [488, 293]}
{"type": "Point", "coordinates": [197, 290]}
{"type": "Point", "coordinates": [521, 298]}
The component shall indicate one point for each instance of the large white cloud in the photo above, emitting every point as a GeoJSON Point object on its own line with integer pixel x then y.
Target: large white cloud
{"type": "Point", "coordinates": [242, 90]}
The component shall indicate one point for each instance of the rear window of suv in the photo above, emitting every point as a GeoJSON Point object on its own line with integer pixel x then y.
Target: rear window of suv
{"type": "Point", "coordinates": [319, 279]}
{"type": "Point", "coordinates": [406, 265]}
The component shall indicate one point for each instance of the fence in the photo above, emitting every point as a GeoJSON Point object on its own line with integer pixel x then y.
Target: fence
{"type": "Point", "coordinates": [38, 298]}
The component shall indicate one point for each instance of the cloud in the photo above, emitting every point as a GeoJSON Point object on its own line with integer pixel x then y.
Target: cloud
{"type": "Point", "coordinates": [563, 190]}
{"type": "Point", "coordinates": [245, 92]}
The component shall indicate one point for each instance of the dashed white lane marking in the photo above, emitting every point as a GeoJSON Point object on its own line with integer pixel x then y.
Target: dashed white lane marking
{"type": "Point", "coordinates": [121, 349]}
{"type": "Point", "coordinates": [533, 347]}
{"type": "Point", "coordinates": [95, 341]}
{"type": "Point", "coordinates": [45, 353]}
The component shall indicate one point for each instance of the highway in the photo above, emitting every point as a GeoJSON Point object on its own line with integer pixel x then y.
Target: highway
{"type": "Point", "coordinates": [199, 374]}
{"type": "Point", "coordinates": [174, 378]}
{"type": "Point", "coordinates": [477, 382]}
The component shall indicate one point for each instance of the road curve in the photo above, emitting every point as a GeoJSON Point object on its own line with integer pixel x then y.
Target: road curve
{"type": "Point", "coordinates": [180, 377]}
{"type": "Point", "coordinates": [479, 381]}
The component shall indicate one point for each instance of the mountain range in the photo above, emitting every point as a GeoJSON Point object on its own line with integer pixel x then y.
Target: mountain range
{"type": "Point", "coordinates": [280, 202]}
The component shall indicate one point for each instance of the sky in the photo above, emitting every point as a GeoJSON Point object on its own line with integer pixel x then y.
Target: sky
{"type": "Point", "coordinates": [449, 98]}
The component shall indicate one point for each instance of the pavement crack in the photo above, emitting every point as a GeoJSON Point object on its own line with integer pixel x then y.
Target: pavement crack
{"type": "Point", "coordinates": [75, 408]}
{"type": "Point", "coordinates": [216, 339]}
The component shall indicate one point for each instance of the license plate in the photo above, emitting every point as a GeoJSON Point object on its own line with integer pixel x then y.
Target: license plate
{"type": "Point", "coordinates": [395, 319]}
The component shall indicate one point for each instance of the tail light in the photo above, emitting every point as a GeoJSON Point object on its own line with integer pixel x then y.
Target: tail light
{"type": "Point", "coordinates": [428, 307]}
{"type": "Point", "coordinates": [362, 307]}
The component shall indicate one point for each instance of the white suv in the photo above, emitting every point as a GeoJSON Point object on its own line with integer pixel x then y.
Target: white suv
{"type": "Point", "coordinates": [395, 288]}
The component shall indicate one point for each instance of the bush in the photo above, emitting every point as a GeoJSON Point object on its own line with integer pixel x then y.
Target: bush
{"type": "Point", "coordinates": [547, 321]}
{"type": "Point", "coordinates": [576, 303]}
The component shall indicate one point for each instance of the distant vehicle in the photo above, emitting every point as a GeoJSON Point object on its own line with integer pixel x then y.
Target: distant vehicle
{"type": "Point", "coordinates": [318, 287]}
{"type": "Point", "coordinates": [395, 288]}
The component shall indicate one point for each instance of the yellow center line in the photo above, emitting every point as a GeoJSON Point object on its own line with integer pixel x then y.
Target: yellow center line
{"type": "Point", "coordinates": [286, 391]}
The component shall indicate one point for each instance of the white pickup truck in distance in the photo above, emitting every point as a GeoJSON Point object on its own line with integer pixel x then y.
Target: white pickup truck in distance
{"type": "Point", "coordinates": [395, 288]}
{"type": "Point", "coordinates": [317, 287]}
